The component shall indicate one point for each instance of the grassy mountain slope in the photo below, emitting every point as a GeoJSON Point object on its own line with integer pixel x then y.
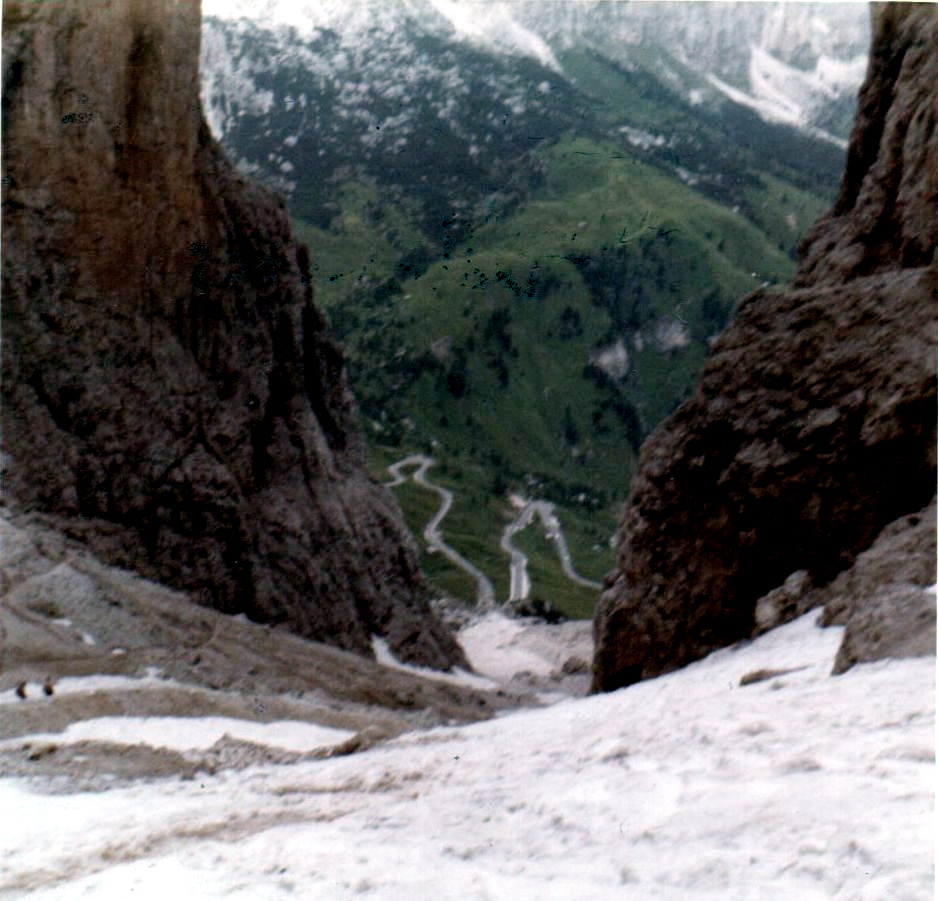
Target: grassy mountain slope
{"type": "Point", "coordinates": [525, 269]}
{"type": "Point", "coordinates": [490, 356]}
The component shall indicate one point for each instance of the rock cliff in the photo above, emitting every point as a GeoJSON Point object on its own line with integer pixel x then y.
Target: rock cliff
{"type": "Point", "coordinates": [813, 423]}
{"type": "Point", "coordinates": [170, 395]}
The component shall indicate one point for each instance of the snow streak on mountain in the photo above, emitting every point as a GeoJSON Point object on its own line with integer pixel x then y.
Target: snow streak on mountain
{"type": "Point", "coordinates": [793, 62]}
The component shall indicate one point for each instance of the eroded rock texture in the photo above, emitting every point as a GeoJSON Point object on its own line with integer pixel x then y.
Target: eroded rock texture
{"type": "Point", "coordinates": [169, 393]}
{"type": "Point", "coordinates": [813, 423]}
{"type": "Point", "coordinates": [886, 599]}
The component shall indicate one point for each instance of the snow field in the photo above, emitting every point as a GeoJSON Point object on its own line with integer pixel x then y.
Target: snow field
{"type": "Point", "coordinates": [801, 786]}
{"type": "Point", "coordinates": [186, 733]}
{"type": "Point", "coordinates": [492, 645]}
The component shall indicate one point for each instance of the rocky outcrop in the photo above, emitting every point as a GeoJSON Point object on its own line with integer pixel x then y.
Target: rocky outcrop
{"type": "Point", "coordinates": [896, 620]}
{"type": "Point", "coordinates": [170, 395]}
{"type": "Point", "coordinates": [813, 423]}
{"type": "Point", "coordinates": [886, 599]}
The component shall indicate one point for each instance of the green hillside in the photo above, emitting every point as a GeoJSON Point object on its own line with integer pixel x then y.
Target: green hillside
{"type": "Point", "coordinates": [526, 262]}
{"type": "Point", "coordinates": [534, 355]}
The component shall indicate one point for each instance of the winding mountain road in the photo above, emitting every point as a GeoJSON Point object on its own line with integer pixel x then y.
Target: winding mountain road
{"type": "Point", "coordinates": [485, 593]}
{"type": "Point", "coordinates": [520, 582]}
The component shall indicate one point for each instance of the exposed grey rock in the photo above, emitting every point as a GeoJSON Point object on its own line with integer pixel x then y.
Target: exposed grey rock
{"type": "Point", "coordinates": [884, 599]}
{"type": "Point", "coordinates": [904, 553]}
{"type": "Point", "coordinates": [574, 666]}
{"type": "Point", "coordinates": [813, 423]}
{"type": "Point", "coordinates": [784, 603]}
{"type": "Point", "coordinates": [896, 620]}
{"type": "Point", "coordinates": [19, 557]}
{"type": "Point", "coordinates": [170, 395]}
{"type": "Point", "coordinates": [536, 608]}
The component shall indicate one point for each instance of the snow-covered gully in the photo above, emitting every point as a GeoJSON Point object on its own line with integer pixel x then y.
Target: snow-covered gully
{"type": "Point", "coordinates": [699, 784]}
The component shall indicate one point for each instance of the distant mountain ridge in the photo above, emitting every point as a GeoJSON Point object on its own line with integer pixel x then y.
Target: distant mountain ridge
{"type": "Point", "coordinates": [792, 62]}
{"type": "Point", "coordinates": [445, 99]}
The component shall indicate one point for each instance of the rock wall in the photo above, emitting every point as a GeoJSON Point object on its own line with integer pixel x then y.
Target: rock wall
{"type": "Point", "coordinates": [169, 393]}
{"type": "Point", "coordinates": [813, 422]}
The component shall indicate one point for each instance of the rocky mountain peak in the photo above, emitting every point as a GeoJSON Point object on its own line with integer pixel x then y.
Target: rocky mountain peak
{"type": "Point", "coordinates": [886, 215]}
{"type": "Point", "coordinates": [170, 395]}
{"type": "Point", "coordinates": [812, 425]}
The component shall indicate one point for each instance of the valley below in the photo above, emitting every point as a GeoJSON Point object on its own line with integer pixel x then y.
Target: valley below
{"type": "Point", "coordinates": [519, 580]}
{"type": "Point", "coordinates": [527, 236]}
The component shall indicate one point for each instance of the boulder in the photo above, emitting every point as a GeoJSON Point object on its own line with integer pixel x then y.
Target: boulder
{"type": "Point", "coordinates": [170, 394]}
{"type": "Point", "coordinates": [904, 553]}
{"type": "Point", "coordinates": [886, 599]}
{"type": "Point", "coordinates": [792, 598]}
{"type": "Point", "coordinates": [812, 425]}
{"type": "Point", "coordinates": [896, 620]}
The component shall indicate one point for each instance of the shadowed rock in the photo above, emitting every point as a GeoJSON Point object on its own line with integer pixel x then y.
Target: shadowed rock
{"type": "Point", "coordinates": [169, 393]}
{"type": "Point", "coordinates": [813, 422]}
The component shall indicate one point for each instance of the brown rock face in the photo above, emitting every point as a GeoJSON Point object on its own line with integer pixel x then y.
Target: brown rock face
{"type": "Point", "coordinates": [169, 393]}
{"type": "Point", "coordinates": [813, 423]}
{"type": "Point", "coordinates": [886, 216]}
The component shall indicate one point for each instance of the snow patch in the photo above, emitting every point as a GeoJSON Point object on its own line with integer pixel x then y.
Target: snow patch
{"type": "Point", "coordinates": [491, 644]}
{"type": "Point", "coordinates": [183, 733]}
{"type": "Point", "coordinates": [612, 360]}
{"type": "Point", "coordinates": [385, 656]}
{"type": "Point", "coordinates": [639, 137]}
{"type": "Point", "coordinates": [687, 786]}
{"type": "Point", "coordinates": [781, 93]}
{"type": "Point", "coordinates": [686, 176]}
{"type": "Point", "coordinates": [671, 334]}
{"type": "Point", "coordinates": [492, 25]}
